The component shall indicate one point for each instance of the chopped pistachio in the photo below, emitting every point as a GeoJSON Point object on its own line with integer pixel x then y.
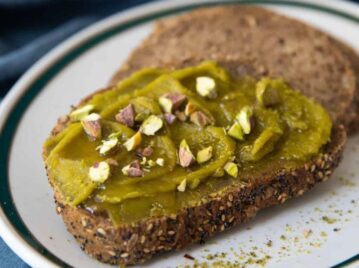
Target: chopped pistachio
{"type": "Point", "coordinates": [133, 142]}
{"type": "Point", "coordinates": [189, 109]}
{"type": "Point", "coordinates": [170, 118]}
{"type": "Point", "coordinates": [185, 155]}
{"type": "Point", "coordinates": [166, 104]}
{"type": "Point", "coordinates": [245, 119]}
{"type": "Point", "coordinates": [92, 126]}
{"type": "Point", "coordinates": [235, 131]}
{"type": "Point", "coordinates": [107, 145]}
{"type": "Point", "coordinates": [181, 116]}
{"type": "Point", "coordinates": [147, 151]}
{"type": "Point", "coordinates": [267, 95]}
{"type": "Point", "coordinates": [99, 172]}
{"type": "Point", "coordinates": [126, 116]}
{"type": "Point", "coordinates": [151, 125]}
{"type": "Point", "coordinates": [204, 155]}
{"type": "Point", "coordinates": [143, 161]}
{"type": "Point", "coordinates": [160, 162]}
{"type": "Point", "coordinates": [182, 186]}
{"type": "Point", "coordinates": [200, 119]}
{"type": "Point", "coordinates": [231, 169]}
{"type": "Point", "coordinates": [151, 163]}
{"type": "Point", "coordinates": [206, 87]}
{"type": "Point", "coordinates": [171, 101]}
{"type": "Point", "coordinates": [140, 117]}
{"type": "Point", "coordinates": [81, 112]}
{"type": "Point", "coordinates": [133, 169]}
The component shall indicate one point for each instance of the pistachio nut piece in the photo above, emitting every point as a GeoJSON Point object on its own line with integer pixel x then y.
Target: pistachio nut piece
{"type": "Point", "coordinates": [126, 116]}
{"type": "Point", "coordinates": [206, 87]}
{"type": "Point", "coordinates": [182, 186]}
{"type": "Point", "coordinates": [204, 155]}
{"type": "Point", "coordinates": [189, 109]}
{"type": "Point", "coordinates": [170, 118]}
{"type": "Point", "coordinates": [185, 155]}
{"type": "Point", "coordinates": [231, 169]}
{"type": "Point", "coordinates": [151, 125]}
{"type": "Point", "coordinates": [245, 119]}
{"type": "Point", "coordinates": [107, 145]}
{"type": "Point", "coordinates": [235, 131]}
{"type": "Point", "coordinates": [200, 119]}
{"type": "Point", "coordinates": [81, 112]}
{"type": "Point", "coordinates": [99, 172]}
{"type": "Point", "coordinates": [145, 152]}
{"type": "Point", "coordinates": [133, 169]}
{"type": "Point", "coordinates": [171, 101]}
{"type": "Point", "coordinates": [181, 116]}
{"type": "Point", "coordinates": [133, 142]}
{"type": "Point", "coordinates": [160, 162]}
{"type": "Point", "coordinates": [92, 126]}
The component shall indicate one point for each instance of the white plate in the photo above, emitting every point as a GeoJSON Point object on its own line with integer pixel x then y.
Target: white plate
{"type": "Point", "coordinates": [85, 62]}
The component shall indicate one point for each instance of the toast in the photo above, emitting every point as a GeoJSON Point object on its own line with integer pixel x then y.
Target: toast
{"type": "Point", "coordinates": [141, 240]}
{"type": "Point", "coordinates": [310, 60]}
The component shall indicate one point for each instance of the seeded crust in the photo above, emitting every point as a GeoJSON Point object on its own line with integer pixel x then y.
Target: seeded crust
{"type": "Point", "coordinates": [310, 60]}
{"type": "Point", "coordinates": [138, 242]}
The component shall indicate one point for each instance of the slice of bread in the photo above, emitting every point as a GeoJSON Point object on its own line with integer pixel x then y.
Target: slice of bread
{"type": "Point", "coordinates": [139, 241]}
{"type": "Point", "coordinates": [308, 59]}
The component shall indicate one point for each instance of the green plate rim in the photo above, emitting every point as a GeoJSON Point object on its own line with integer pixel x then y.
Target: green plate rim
{"type": "Point", "coordinates": [14, 116]}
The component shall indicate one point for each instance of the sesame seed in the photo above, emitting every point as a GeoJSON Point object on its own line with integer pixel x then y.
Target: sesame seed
{"type": "Point", "coordinates": [149, 227]}
{"type": "Point", "coordinates": [83, 222]}
{"type": "Point", "coordinates": [112, 253]}
{"type": "Point", "coordinates": [124, 255]}
{"type": "Point", "coordinates": [101, 231]}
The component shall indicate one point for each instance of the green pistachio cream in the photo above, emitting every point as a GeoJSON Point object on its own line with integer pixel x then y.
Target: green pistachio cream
{"type": "Point", "coordinates": [163, 140]}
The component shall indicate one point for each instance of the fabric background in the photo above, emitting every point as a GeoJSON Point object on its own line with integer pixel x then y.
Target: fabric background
{"type": "Point", "coordinates": [29, 29]}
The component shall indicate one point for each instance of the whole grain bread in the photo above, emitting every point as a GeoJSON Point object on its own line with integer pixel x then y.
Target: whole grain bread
{"type": "Point", "coordinates": [140, 241]}
{"type": "Point", "coordinates": [310, 60]}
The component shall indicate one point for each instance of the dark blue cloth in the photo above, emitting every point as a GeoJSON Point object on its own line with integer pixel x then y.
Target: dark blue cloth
{"type": "Point", "coordinates": [29, 29]}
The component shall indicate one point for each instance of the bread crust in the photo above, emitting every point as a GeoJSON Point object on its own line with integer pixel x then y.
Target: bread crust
{"type": "Point", "coordinates": [140, 241]}
{"type": "Point", "coordinates": [310, 60]}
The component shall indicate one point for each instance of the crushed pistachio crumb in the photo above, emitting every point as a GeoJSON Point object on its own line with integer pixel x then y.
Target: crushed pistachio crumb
{"type": "Point", "coordinates": [151, 125]}
{"type": "Point", "coordinates": [235, 131]}
{"type": "Point", "coordinates": [81, 112]}
{"type": "Point", "coordinates": [99, 172]}
{"type": "Point", "coordinates": [204, 155]}
{"type": "Point", "coordinates": [245, 119]}
{"type": "Point", "coordinates": [160, 162]}
{"type": "Point", "coordinates": [182, 186]}
{"type": "Point", "coordinates": [107, 145]}
{"type": "Point", "coordinates": [133, 142]}
{"type": "Point", "coordinates": [206, 87]}
{"type": "Point", "coordinates": [231, 169]}
{"type": "Point", "coordinates": [185, 155]}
